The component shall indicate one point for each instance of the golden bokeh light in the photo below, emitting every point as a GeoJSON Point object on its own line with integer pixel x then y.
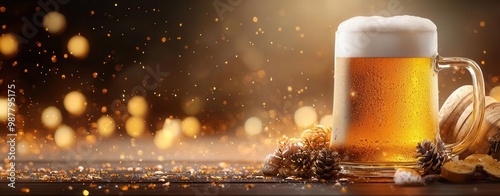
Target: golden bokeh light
{"type": "Point", "coordinates": [191, 126]}
{"type": "Point", "coordinates": [106, 126]}
{"type": "Point", "coordinates": [326, 121]}
{"type": "Point", "coordinates": [8, 45]}
{"type": "Point", "coordinates": [137, 106]}
{"type": "Point", "coordinates": [75, 103]}
{"type": "Point", "coordinates": [173, 125]}
{"type": "Point", "coordinates": [193, 105]}
{"type": "Point", "coordinates": [305, 116]}
{"type": "Point", "coordinates": [253, 126]}
{"type": "Point", "coordinates": [78, 46]}
{"type": "Point", "coordinates": [135, 126]}
{"type": "Point", "coordinates": [22, 147]}
{"type": "Point", "coordinates": [51, 117]}
{"type": "Point", "coordinates": [64, 137]}
{"type": "Point", "coordinates": [4, 112]}
{"type": "Point", "coordinates": [253, 58]}
{"type": "Point", "coordinates": [54, 23]}
{"type": "Point", "coordinates": [495, 93]}
{"type": "Point", "coordinates": [164, 139]}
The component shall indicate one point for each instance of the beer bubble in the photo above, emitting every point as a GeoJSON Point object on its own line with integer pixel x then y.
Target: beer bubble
{"type": "Point", "coordinates": [137, 106]}
{"type": "Point", "coordinates": [78, 46]}
{"type": "Point", "coordinates": [253, 126]}
{"type": "Point", "coordinates": [191, 126]}
{"type": "Point", "coordinates": [8, 45]}
{"type": "Point", "coordinates": [54, 23]}
{"type": "Point", "coordinates": [51, 117]}
{"type": "Point", "coordinates": [106, 126]}
{"type": "Point", "coordinates": [64, 137]}
{"type": "Point", "coordinates": [305, 116]}
{"type": "Point", "coordinates": [495, 93]}
{"type": "Point", "coordinates": [75, 103]}
{"type": "Point", "coordinates": [135, 126]}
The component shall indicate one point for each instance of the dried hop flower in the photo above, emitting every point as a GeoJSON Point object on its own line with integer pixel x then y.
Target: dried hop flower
{"type": "Point", "coordinates": [317, 137]}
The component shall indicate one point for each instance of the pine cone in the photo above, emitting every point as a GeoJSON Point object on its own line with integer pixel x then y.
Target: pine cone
{"type": "Point", "coordinates": [296, 158]}
{"type": "Point", "coordinates": [431, 156]}
{"type": "Point", "coordinates": [495, 146]}
{"type": "Point", "coordinates": [316, 138]}
{"type": "Point", "coordinates": [326, 164]}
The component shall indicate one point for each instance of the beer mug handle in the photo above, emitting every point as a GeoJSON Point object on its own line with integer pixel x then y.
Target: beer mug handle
{"type": "Point", "coordinates": [478, 104]}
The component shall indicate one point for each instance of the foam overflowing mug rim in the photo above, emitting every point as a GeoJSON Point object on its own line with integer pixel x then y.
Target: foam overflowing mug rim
{"type": "Point", "coordinates": [377, 36]}
{"type": "Point", "coordinates": [402, 23]}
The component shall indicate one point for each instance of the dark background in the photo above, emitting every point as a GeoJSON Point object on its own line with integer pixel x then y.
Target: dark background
{"type": "Point", "coordinates": [255, 57]}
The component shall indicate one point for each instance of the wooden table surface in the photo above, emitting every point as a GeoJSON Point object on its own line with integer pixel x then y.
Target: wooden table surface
{"type": "Point", "coordinates": [212, 178]}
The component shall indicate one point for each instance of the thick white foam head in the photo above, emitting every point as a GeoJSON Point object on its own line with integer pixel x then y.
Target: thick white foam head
{"type": "Point", "coordinates": [376, 36]}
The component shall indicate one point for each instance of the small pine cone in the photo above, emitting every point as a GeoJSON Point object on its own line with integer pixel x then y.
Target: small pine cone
{"type": "Point", "coordinates": [295, 160]}
{"type": "Point", "coordinates": [431, 156]}
{"type": "Point", "coordinates": [317, 137]}
{"type": "Point", "coordinates": [271, 165]}
{"type": "Point", "coordinates": [495, 146]}
{"type": "Point", "coordinates": [326, 165]}
{"type": "Point", "coordinates": [283, 143]}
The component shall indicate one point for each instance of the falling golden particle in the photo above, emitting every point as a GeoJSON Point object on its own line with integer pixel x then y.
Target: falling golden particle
{"type": "Point", "coordinates": [24, 190]}
{"type": "Point", "coordinates": [297, 28]}
{"type": "Point", "coordinates": [280, 29]}
{"type": "Point", "coordinates": [85, 192]}
{"type": "Point", "coordinates": [65, 55]}
{"type": "Point", "coordinates": [104, 91]}
{"type": "Point", "coordinates": [301, 52]}
{"type": "Point", "coordinates": [163, 39]}
{"type": "Point", "coordinates": [109, 34]}
{"type": "Point", "coordinates": [494, 79]}
{"type": "Point", "coordinates": [216, 19]}
{"type": "Point", "coordinates": [186, 47]}
{"type": "Point", "coordinates": [14, 63]}
{"type": "Point", "coordinates": [148, 38]}
{"type": "Point", "coordinates": [53, 58]}
{"type": "Point", "coordinates": [94, 75]}
{"type": "Point", "coordinates": [25, 70]}
{"type": "Point", "coordinates": [484, 51]}
{"type": "Point", "coordinates": [63, 76]}
{"type": "Point", "coordinates": [302, 35]}
{"type": "Point", "coordinates": [249, 186]}
{"type": "Point", "coordinates": [124, 188]}
{"type": "Point", "coordinates": [179, 38]}
{"type": "Point", "coordinates": [92, 12]}
{"type": "Point", "coordinates": [180, 24]}
{"type": "Point", "coordinates": [255, 19]}
{"type": "Point", "coordinates": [104, 109]}
{"type": "Point", "coordinates": [4, 27]}
{"type": "Point", "coordinates": [483, 62]}
{"type": "Point", "coordinates": [482, 23]}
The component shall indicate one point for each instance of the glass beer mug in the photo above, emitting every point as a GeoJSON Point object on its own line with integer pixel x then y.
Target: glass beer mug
{"type": "Point", "coordinates": [386, 93]}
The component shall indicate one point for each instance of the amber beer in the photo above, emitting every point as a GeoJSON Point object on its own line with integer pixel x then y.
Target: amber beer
{"type": "Point", "coordinates": [386, 92]}
{"type": "Point", "coordinates": [388, 107]}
